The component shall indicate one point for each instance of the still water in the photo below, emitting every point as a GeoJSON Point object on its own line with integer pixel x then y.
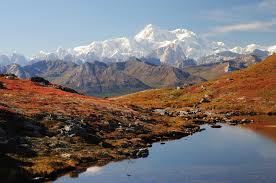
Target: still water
{"type": "Point", "coordinates": [229, 154]}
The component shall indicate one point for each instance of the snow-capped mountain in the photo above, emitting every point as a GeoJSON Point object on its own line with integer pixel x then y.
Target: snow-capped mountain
{"type": "Point", "coordinates": [170, 47]}
{"type": "Point", "coordinates": [177, 47]}
{"type": "Point", "coordinates": [13, 58]}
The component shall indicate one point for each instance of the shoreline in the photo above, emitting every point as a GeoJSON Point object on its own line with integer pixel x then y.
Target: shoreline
{"type": "Point", "coordinates": [81, 160]}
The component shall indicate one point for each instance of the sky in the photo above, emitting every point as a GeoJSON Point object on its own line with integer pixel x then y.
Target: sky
{"type": "Point", "coordinates": [28, 26]}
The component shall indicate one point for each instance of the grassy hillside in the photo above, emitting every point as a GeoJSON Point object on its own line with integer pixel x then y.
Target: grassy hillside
{"type": "Point", "coordinates": [251, 89]}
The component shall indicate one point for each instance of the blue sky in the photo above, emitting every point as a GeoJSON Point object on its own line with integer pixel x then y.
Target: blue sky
{"type": "Point", "coordinates": [27, 26]}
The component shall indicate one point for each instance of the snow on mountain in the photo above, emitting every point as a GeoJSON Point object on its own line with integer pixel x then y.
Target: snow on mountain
{"type": "Point", "coordinates": [149, 40]}
{"type": "Point", "coordinates": [175, 47]}
{"type": "Point", "coordinates": [218, 57]}
{"type": "Point", "coordinates": [272, 49]}
{"type": "Point", "coordinates": [13, 58]}
{"type": "Point", "coordinates": [4, 60]}
{"type": "Point", "coordinates": [247, 49]}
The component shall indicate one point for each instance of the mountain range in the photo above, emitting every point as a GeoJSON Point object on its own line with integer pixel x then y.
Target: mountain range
{"type": "Point", "coordinates": [179, 47]}
{"type": "Point", "coordinates": [153, 58]}
{"type": "Point", "coordinates": [118, 78]}
{"type": "Point", "coordinates": [101, 79]}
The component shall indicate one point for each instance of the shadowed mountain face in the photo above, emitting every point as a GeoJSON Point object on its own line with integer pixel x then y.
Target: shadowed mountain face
{"type": "Point", "coordinates": [99, 79]}
{"type": "Point", "coordinates": [156, 76]}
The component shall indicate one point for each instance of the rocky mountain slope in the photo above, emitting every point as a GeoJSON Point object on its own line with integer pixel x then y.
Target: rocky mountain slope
{"type": "Point", "coordinates": [156, 76]}
{"type": "Point", "coordinates": [99, 79]}
{"type": "Point", "coordinates": [217, 69]}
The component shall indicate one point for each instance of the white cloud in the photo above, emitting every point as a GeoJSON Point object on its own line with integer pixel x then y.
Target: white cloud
{"type": "Point", "coordinates": [246, 12]}
{"type": "Point", "coordinates": [257, 26]}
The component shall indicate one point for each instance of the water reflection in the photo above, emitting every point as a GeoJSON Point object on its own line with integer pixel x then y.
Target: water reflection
{"type": "Point", "coordinates": [264, 125]}
{"type": "Point", "coordinates": [229, 154]}
{"type": "Point", "coordinates": [93, 170]}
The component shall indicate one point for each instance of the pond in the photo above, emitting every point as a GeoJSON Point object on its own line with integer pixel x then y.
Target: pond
{"type": "Point", "coordinates": [228, 154]}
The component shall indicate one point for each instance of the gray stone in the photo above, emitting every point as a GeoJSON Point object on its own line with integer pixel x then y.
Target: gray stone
{"type": "Point", "coordinates": [162, 112]}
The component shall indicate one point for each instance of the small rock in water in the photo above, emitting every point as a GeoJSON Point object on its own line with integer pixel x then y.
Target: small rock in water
{"type": "Point", "coordinates": [215, 126]}
{"type": "Point", "coordinates": [142, 153]}
{"type": "Point", "coordinates": [162, 143]}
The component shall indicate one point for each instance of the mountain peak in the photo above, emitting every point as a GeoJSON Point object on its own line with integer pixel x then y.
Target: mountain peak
{"type": "Point", "coordinates": [147, 33]}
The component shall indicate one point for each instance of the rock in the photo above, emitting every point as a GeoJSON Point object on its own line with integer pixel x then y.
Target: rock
{"type": "Point", "coordinates": [203, 88]}
{"type": "Point", "coordinates": [204, 100]}
{"type": "Point", "coordinates": [252, 113]}
{"type": "Point", "coordinates": [199, 122]}
{"type": "Point", "coordinates": [176, 134]}
{"type": "Point", "coordinates": [57, 145]}
{"type": "Point", "coordinates": [66, 155]}
{"type": "Point", "coordinates": [182, 113]}
{"type": "Point", "coordinates": [141, 153]}
{"type": "Point", "coordinates": [93, 139]}
{"type": "Point", "coordinates": [105, 144]}
{"type": "Point", "coordinates": [162, 112]}
{"type": "Point", "coordinates": [245, 121]}
{"type": "Point", "coordinates": [113, 125]}
{"type": "Point", "coordinates": [67, 128]}
{"type": "Point", "coordinates": [9, 76]}
{"type": "Point", "coordinates": [40, 80]}
{"type": "Point", "coordinates": [2, 86]}
{"type": "Point", "coordinates": [271, 113]}
{"type": "Point", "coordinates": [216, 126]}
{"type": "Point", "coordinates": [202, 129]}
{"type": "Point", "coordinates": [162, 143]}
{"type": "Point", "coordinates": [66, 89]}
{"type": "Point", "coordinates": [130, 130]}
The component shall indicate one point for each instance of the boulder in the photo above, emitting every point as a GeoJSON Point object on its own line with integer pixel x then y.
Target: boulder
{"type": "Point", "coordinates": [162, 112]}
{"type": "Point", "coordinates": [141, 153]}
{"type": "Point", "coordinates": [40, 80]}
{"type": "Point", "coordinates": [92, 139]}
{"type": "Point", "coordinates": [2, 86]}
{"type": "Point", "coordinates": [9, 76]}
{"type": "Point", "coordinates": [215, 126]}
